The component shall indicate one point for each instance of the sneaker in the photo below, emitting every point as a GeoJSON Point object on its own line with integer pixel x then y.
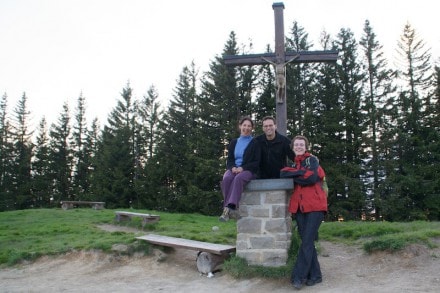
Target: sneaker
{"type": "Point", "coordinates": [234, 214]}
{"type": "Point", "coordinates": [225, 215]}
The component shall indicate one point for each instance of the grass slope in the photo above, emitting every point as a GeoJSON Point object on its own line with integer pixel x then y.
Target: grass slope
{"type": "Point", "coordinates": [28, 234]}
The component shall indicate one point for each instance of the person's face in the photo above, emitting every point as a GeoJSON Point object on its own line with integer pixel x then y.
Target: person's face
{"type": "Point", "coordinates": [269, 128]}
{"type": "Point", "coordinates": [299, 147]}
{"type": "Point", "coordinates": [246, 128]}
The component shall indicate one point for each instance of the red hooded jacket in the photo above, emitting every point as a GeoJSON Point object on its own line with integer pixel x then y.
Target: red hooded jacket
{"type": "Point", "coordinates": [308, 193]}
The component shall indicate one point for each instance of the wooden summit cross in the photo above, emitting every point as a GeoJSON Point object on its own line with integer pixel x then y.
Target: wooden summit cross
{"type": "Point", "coordinates": [279, 59]}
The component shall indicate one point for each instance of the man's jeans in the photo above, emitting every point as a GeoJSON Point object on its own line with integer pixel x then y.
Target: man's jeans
{"type": "Point", "coordinates": [307, 265]}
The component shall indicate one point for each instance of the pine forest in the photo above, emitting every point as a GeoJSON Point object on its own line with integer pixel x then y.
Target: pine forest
{"type": "Point", "coordinates": [374, 126]}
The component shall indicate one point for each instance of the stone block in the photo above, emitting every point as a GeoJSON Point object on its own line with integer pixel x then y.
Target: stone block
{"type": "Point", "coordinates": [241, 245]}
{"type": "Point", "coordinates": [253, 257]}
{"type": "Point", "coordinates": [251, 198]}
{"type": "Point", "coordinates": [280, 211]}
{"type": "Point", "coordinates": [260, 212]}
{"type": "Point", "coordinates": [249, 225]}
{"type": "Point", "coordinates": [261, 257]}
{"type": "Point", "coordinates": [276, 226]}
{"type": "Point", "coordinates": [275, 197]}
{"type": "Point", "coordinates": [244, 210]}
{"type": "Point", "coordinates": [282, 245]}
{"type": "Point", "coordinates": [262, 242]}
{"type": "Point", "coordinates": [274, 257]}
{"type": "Point", "coordinates": [283, 236]}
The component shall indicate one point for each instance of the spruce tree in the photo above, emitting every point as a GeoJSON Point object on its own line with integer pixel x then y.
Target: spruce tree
{"type": "Point", "coordinates": [378, 94]}
{"type": "Point", "coordinates": [80, 162]}
{"type": "Point", "coordinates": [350, 187]}
{"type": "Point", "coordinates": [432, 201]}
{"type": "Point", "coordinates": [41, 168]}
{"type": "Point", "coordinates": [114, 174]}
{"type": "Point", "coordinates": [6, 159]}
{"type": "Point", "coordinates": [174, 153]}
{"type": "Point", "coordinates": [22, 155]}
{"type": "Point", "coordinates": [413, 180]}
{"type": "Point", "coordinates": [328, 136]}
{"type": "Point", "coordinates": [61, 156]}
{"type": "Point", "coordinates": [90, 151]}
{"type": "Point", "coordinates": [149, 116]}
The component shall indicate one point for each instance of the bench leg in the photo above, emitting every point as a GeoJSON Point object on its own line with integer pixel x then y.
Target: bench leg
{"type": "Point", "coordinates": [97, 206]}
{"type": "Point", "coordinates": [120, 218]}
{"type": "Point", "coordinates": [148, 220]}
{"type": "Point", "coordinates": [67, 206]}
{"type": "Point", "coordinates": [208, 262]}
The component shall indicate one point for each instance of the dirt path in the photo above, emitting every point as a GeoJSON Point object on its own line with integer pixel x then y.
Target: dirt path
{"type": "Point", "coordinates": [345, 269]}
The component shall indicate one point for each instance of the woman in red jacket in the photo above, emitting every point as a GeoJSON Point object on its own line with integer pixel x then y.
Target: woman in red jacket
{"type": "Point", "coordinates": [309, 204]}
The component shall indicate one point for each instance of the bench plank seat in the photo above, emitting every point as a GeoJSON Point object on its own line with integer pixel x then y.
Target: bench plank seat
{"type": "Point", "coordinates": [69, 204]}
{"type": "Point", "coordinates": [146, 218]}
{"type": "Point", "coordinates": [219, 249]}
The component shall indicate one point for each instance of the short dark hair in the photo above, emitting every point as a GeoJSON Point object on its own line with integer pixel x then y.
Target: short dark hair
{"type": "Point", "coordinates": [302, 137]}
{"type": "Point", "coordinates": [269, 118]}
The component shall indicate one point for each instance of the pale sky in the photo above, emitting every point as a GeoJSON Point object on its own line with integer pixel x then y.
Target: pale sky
{"type": "Point", "coordinates": [55, 49]}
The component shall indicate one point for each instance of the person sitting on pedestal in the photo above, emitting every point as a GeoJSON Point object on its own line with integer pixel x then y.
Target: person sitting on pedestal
{"type": "Point", "coordinates": [241, 167]}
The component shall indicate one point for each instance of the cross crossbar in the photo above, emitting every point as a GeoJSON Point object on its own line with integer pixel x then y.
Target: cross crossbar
{"type": "Point", "coordinates": [291, 57]}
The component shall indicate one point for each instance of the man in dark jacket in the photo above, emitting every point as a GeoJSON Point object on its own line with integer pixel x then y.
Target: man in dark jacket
{"type": "Point", "coordinates": [275, 150]}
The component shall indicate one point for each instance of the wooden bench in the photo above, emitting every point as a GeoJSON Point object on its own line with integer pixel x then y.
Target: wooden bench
{"type": "Point", "coordinates": [210, 255]}
{"type": "Point", "coordinates": [96, 205]}
{"type": "Point", "coordinates": [146, 218]}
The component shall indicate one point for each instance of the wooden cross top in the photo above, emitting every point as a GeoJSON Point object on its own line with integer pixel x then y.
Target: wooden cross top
{"type": "Point", "coordinates": [279, 59]}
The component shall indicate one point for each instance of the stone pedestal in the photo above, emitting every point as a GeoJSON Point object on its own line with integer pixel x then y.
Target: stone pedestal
{"type": "Point", "coordinates": [264, 230]}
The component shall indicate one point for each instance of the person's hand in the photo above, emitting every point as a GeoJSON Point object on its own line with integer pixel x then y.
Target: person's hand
{"type": "Point", "coordinates": [237, 170]}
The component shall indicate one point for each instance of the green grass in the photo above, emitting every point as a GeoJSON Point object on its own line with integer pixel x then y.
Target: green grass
{"type": "Point", "coordinates": [29, 234]}
{"type": "Point", "coordinates": [385, 236]}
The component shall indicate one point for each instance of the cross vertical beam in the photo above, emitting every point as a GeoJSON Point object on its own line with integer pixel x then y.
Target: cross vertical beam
{"type": "Point", "coordinates": [280, 69]}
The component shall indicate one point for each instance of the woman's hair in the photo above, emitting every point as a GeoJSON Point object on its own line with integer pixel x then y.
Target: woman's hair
{"type": "Point", "coordinates": [243, 119]}
{"type": "Point", "coordinates": [302, 138]}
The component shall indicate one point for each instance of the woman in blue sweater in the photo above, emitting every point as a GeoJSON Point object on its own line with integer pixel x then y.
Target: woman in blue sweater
{"type": "Point", "coordinates": [241, 167]}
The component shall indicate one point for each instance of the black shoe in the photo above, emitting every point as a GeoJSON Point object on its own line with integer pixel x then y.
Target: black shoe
{"type": "Point", "coordinates": [313, 282]}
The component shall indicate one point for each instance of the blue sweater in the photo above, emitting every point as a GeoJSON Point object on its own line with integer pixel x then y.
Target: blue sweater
{"type": "Point", "coordinates": [241, 145]}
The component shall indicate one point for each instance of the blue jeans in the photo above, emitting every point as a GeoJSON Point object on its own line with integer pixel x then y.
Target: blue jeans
{"type": "Point", "coordinates": [307, 265]}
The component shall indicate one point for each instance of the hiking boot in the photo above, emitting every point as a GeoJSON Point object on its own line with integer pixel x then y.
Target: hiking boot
{"type": "Point", "coordinates": [225, 215]}
{"type": "Point", "coordinates": [234, 214]}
